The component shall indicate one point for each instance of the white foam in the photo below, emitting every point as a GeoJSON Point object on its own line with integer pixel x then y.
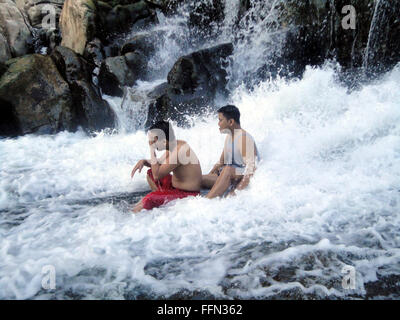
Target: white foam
{"type": "Point", "coordinates": [326, 190]}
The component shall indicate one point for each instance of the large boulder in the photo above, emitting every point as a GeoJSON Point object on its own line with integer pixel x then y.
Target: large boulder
{"type": "Point", "coordinates": [193, 83]}
{"type": "Point", "coordinates": [131, 63]}
{"type": "Point", "coordinates": [203, 70]}
{"type": "Point", "coordinates": [46, 94]}
{"type": "Point", "coordinates": [94, 113]}
{"type": "Point", "coordinates": [35, 97]}
{"type": "Point", "coordinates": [144, 42]}
{"type": "Point", "coordinates": [115, 73]}
{"type": "Point", "coordinates": [15, 30]}
{"type": "Point", "coordinates": [71, 66]}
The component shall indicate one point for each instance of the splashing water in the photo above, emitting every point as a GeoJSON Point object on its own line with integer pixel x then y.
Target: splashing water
{"type": "Point", "coordinates": [325, 195]}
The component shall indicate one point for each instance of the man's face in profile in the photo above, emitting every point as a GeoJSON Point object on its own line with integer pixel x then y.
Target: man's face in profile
{"type": "Point", "coordinates": [222, 123]}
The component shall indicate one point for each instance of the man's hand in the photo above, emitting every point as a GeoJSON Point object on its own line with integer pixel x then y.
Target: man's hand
{"type": "Point", "coordinates": [139, 166]}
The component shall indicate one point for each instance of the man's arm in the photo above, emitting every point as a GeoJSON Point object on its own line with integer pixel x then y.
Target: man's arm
{"type": "Point", "coordinates": [248, 152]}
{"type": "Point", "coordinates": [139, 166]}
{"type": "Point", "coordinates": [161, 170]}
{"type": "Point", "coordinates": [218, 165]}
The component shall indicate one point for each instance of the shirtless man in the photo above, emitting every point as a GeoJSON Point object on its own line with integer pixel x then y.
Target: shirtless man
{"type": "Point", "coordinates": [178, 158]}
{"type": "Point", "coordinates": [238, 159]}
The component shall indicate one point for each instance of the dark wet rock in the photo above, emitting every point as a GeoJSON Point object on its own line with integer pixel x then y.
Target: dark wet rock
{"type": "Point", "coordinates": [143, 42]}
{"type": "Point", "coordinates": [139, 50]}
{"type": "Point", "coordinates": [193, 83]}
{"type": "Point", "coordinates": [71, 66]}
{"type": "Point", "coordinates": [177, 107]}
{"type": "Point", "coordinates": [92, 112]}
{"type": "Point", "coordinates": [9, 124]}
{"type": "Point", "coordinates": [130, 66]}
{"type": "Point", "coordinates": [48, 38]}
{"type": "Point", "coordinates": [112, 50]}
{"type": "Point", "coordinates": [137, 63]}
{"type": "Point", "coordinates": [202, 70]}
{"type": "Point", "coordinates": [158, 90]}
{"type": "Point", "coordinates": [36, 95]}
{"type": "Point", "coordinates": [114, 75]}
{"type": "Point", "coordinates": [5, 53]}
{"type": "Point", "coordinates": [94, 51]}
{"type": "Point", "coordinates": [120, 16]}
{"type": "Point", "coordinates": [3, 68]}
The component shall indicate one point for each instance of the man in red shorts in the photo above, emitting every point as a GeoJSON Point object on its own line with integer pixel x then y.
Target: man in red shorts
{"type": "Point", "coordinates": [178, 158]}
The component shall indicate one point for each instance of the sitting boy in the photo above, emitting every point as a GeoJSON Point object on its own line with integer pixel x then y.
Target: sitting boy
{"type": "Point", "coordinates": [178, 158]}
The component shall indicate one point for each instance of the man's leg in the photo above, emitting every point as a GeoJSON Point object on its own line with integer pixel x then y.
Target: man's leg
{"type": "Point", "coordinates": [223, 182]}
{"type": "Point", "coordinates": [208, 180]}
{"type": "Point", "coordinates": [138, 206]}
{"type": "Point", "coordinates": [151, 183]}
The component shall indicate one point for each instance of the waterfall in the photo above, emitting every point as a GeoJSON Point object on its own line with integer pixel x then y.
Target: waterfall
{"type": "Point", "coordinates": [381, 44]}
{"type": "Point", "coordinates": [373, 37]}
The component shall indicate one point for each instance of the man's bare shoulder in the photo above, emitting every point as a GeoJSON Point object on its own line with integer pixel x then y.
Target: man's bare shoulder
{"type": "Point", "coordinates": [185, 153]}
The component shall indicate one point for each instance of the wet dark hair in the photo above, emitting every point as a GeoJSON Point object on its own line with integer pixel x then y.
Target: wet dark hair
{"type": "Point", "coordinates": [230, 112]}
{"type": "Point", "coordinates": [165, 127]}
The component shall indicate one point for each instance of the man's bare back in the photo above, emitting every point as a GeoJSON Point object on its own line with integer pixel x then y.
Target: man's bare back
{"type": "Point", "coordinates": [187, 176]}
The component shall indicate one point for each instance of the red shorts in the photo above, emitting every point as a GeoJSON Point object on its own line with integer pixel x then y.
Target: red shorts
{"type": "Point", "coordinates": [165, 192]}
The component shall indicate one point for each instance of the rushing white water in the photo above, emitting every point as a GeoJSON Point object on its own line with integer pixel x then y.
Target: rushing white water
{"type": "Point", "coordinates": [325, 195]}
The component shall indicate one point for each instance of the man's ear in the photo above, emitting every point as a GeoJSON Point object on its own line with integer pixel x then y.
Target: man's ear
{"type": "Point", "coordinates": [230, 122]}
